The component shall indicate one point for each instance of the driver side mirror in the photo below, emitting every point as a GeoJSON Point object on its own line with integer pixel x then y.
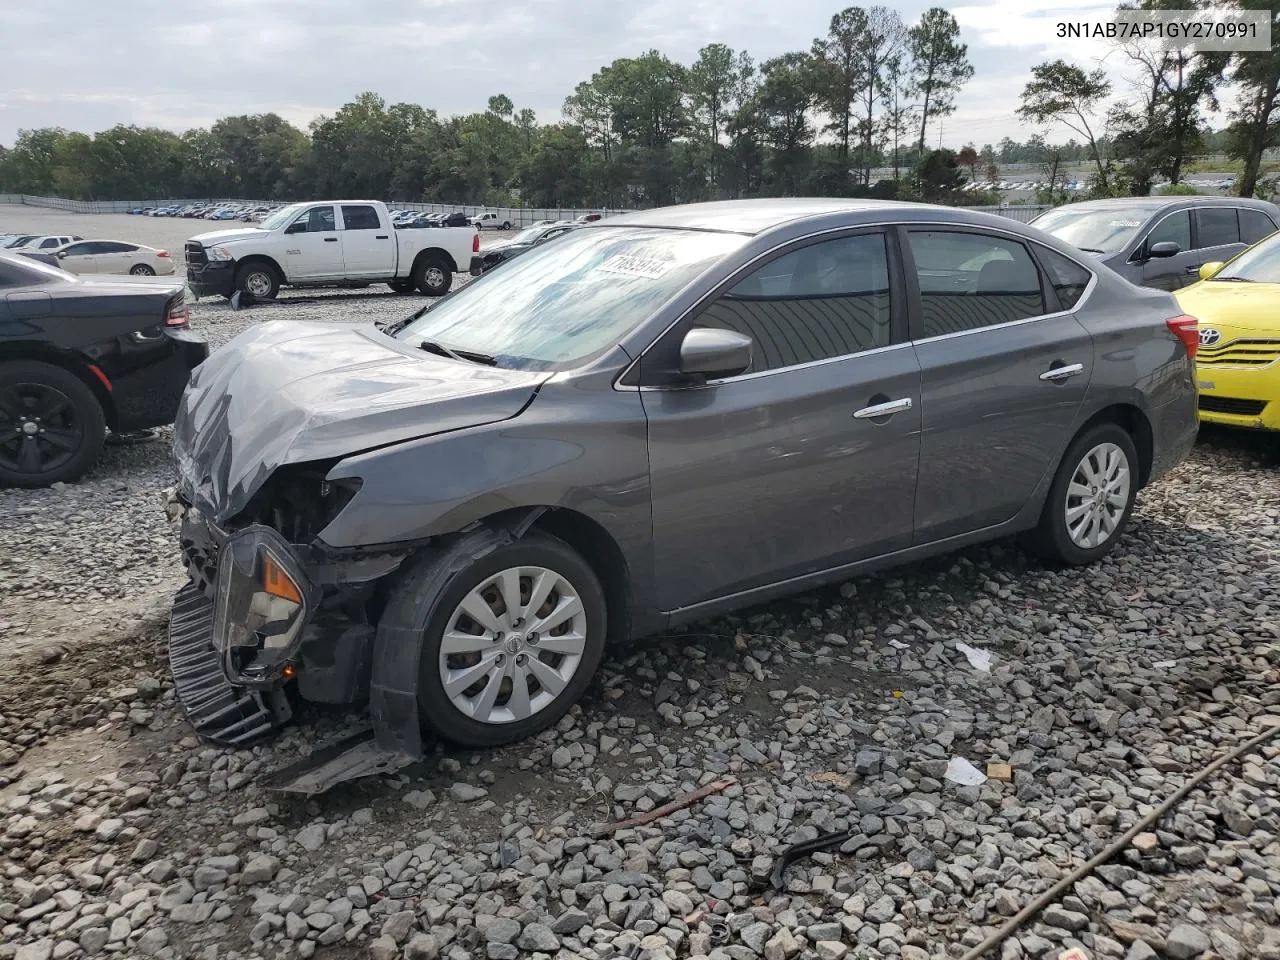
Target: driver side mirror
{"type": "Point", "coordinates": [709, 354]}
{"type": "Point", "coordinates": [62, 255]}
{"type": "Point", "coordinates": [1163, 249]}
{"type": "Point", "coordinates": [1210, 269]}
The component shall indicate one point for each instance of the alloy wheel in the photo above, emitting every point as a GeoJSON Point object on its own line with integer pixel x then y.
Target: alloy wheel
{"type": "Point", "coordinates": [39, 428]}
{"type": "Point", "coordinates": [512, 645]}
{"type": "Point", "coordinates": [1097, 496]}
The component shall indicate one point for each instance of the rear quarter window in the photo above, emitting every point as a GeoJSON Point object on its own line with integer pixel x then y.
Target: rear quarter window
{"type": "Point", "coordinates": [1067, 277]}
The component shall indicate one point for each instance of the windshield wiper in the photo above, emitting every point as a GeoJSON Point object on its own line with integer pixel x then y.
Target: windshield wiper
{"type": "Point", "coordinates": [1091, 250]}
{"type": "Point", "coordinates": [435, 346]}
{"type": "Point", "coordinates": [1234, 279]}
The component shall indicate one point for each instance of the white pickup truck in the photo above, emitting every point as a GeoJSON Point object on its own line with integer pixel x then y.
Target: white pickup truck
{"type": "Point", "coordinates": [331, 243]}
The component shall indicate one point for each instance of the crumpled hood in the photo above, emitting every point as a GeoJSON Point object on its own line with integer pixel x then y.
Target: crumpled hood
{"type": "Point", "coordinates": [227, 236]}
{"type": "Point", "coordinates": [289, 391]}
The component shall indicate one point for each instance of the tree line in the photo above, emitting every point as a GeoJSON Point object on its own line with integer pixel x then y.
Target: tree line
{"type": "Point", "coordinates": [867, 95]}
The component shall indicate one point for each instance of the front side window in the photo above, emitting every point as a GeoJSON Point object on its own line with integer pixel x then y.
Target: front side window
{"type": "Point", "coordinates": [971, 280]}
{"type": "Point", "coordinates": [561, 304]}
{"type": "Point", "coordinates": [829, 299]}
{"type": "Point", "coordinates": [317, 220]}
{"type": "Point", "coordinates": [1175, 228]}
{"type": "Point", "coordinates": [1218, 227]}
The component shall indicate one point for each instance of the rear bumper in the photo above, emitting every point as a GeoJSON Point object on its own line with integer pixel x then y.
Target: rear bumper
{"type": "Point", "coordinates": [148, 394]}
{"type": "Point", "coordinates": [1249, 399]}
{"type": "Point", "coordinates": [1174, 426]}
{"type": "Point", "coordinates": [477, 266]}
{"type": "Point", "coordinates": [216, 279]}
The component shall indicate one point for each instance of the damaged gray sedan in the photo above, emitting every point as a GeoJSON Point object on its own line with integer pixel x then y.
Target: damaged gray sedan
{"type": "Point", "coordinates": [660, 417]}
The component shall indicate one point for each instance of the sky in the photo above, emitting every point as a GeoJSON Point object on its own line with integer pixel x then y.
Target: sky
{"type": "Point", "coordinates": [87, 65]}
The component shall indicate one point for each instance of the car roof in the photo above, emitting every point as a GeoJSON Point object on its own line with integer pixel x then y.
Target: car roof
{"type": "Point", "coordinates": [1155, 204]}
{"type": "Point", "coordinates": [757, 216]}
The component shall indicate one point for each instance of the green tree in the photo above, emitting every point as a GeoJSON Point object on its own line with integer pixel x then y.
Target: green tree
{"type": "Point", "coordinates": [716, 84]}
{"type": "Point", "coordinates": [898, 112]}
{"type": "Point", "coordinates": [835, 71]}
{"type": "Point", "coordinates": [940, 65]}
{"type": "Point", "coordinates": [1255, 118]}
{"type": "Point", "coordinates": [1060, 92]}
{"type": "Point", "coordinates": [783, 101]}
{"type": "Point", "coordinates": [880, 50]}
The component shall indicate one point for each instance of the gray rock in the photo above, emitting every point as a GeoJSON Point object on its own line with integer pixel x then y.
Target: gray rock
{"type": "Point", "coordinates": [311, 838]}
{"type": "Point", "coordinates": [1186, 942]}
{"type": "Point", "coordinates": [498, 929]}
{"type": "Point", "coordinates": [569, 923]}
{"type": "Point", "coordinates": [467, 793]}
{"type": "Point", "coordinates": [1058, 916]}
{"type": "Point", "coordinates": [261, 869]}
{"type": "Point", "coordinates": [152, 942]}
{"type": "Point", "coordinates": [538, 937]}
{"type": "Point", "coordinates": [384, 948]}
{"type": "Point", "coordinates": [398, 925]}
{"type": "Point", "coordinates": [423, 946]}
{"type": "Point", "coordinates": [882, 911]}
{"type": "Point", "coordinates": [755, 935]}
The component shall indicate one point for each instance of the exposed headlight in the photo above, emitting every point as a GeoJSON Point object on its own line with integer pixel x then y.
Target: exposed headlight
{"type": "Point", "coordinates": [218, 253]}
{"type": "Point", "coordinates": [263, 598]}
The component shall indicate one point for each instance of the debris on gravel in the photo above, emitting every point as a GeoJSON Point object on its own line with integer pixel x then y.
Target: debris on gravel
{"type": "Point", "coordinates": [1108, 687]}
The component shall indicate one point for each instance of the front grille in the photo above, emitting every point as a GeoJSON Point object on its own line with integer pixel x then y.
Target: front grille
{"type": "Point", "coordinates": [1239, 353]}
{"type": "Point", "coordinates": [196, 257]}
{"type": "Point", "coordinates": [1232, 405]}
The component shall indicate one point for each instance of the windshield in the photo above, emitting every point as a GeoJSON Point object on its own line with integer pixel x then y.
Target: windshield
{"type": "Point", "coordinates": [562, 303]}
{"type": "Point", "coordinates": [528, 236]}
{"type": "Point", "coordinates": [1260, 263]}
{"type": "Point", "coordinates": [282, 216]}
{"type": "Point", "coordinates": [1100, 231]}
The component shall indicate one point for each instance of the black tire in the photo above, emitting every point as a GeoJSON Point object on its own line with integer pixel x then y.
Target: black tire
{"type": "Point", "coordinates": [258, 280]}
{"type": "Point", "coordinates": [31, 387]}
{"type": "Point", "coordinates": [433, 275]}
{"type": "Point", "coordinates": [424, 601]}
{"type": "Point", "coordinates": [402, 286]}
{"type": "Point", "coordinates": [506, 225]}
{"type": "Point", "coordinates": [1052, 539]}
{"type": "Point", "coordinates": [141, 270]}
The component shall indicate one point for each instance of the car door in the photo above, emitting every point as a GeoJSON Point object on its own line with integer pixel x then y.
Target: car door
{"type": "Point", "coordinates": [1169, 273]}
{"type": "Point", "coordinates": [367, 247]}
{"type": "Point", "coordinates": [785, 469]}
{"type": "Point", "coordinates": [114, 257]}
{"type": "Point", "coordinates": [1217, 236]}
{"type": "Point", "coordinates": [82, 258]}
{"type": "Point", "coordinates": [313, 250]}
{"type": "Point", "coordinates": [1003, 372]}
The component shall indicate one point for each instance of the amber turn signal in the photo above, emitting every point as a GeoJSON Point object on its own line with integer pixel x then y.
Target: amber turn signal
{"type": "Point", "coordinates": [278, 583]}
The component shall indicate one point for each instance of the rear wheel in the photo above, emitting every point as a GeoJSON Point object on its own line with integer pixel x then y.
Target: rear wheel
{"type": "Point", "coordinates": [510, 641]}
{"type": "Point", "coordinates": [433, 276]}
{"type": "Point", "coordinates": [259, 280]}
{"type": "Point", "coordinates": [141, 270]}
{"type": "Point", "coordinates": [1091, 498]}
{"type": "Point", "coordinates": [51, 425]}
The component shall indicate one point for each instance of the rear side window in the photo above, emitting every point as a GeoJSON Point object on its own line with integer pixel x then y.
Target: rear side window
{"type": "Point", "coordinates": [1218, 226]}
{"type": "Point", "coordinates": [360, 218]}
{"type": "Point", "coordinates": [1254, 225]}
{"type": "Point", "coordinates": [829, 299]}
{"type": "Point", "coordinates": [1067, 277]}
{"type": "Point", "coordinates": [972, 280]}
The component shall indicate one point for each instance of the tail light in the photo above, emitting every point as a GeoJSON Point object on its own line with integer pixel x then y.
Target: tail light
{"type": "Point", "coordinates": [475, 243]}
{"type": "Point", "coordinates": [179, 314]}
{"type": "Point", "coordinates": [162, 253]}
{"type": "Point", "coordinates": [1187, 329]}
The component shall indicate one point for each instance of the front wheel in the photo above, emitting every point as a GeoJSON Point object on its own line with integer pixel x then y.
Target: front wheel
{"type": "Point", "coordinates": [433, 276]}
{"type": "Point", "coordinates": [51, 425]}
{"type": "Point", "coordinates": [510, 641]}
{"type": "Point", "coordinates": [141, 270]}
{"type": "Point", "coordinates": [258, 280]}
{"type": "Point", "coordinates": [1091, 498]}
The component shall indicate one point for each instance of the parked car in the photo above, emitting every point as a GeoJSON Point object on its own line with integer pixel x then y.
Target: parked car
{"type": "Point", "coordinates": [492, 221]}
{"type": "Point", "coordinates": [589, 218]}
{"type": "Point", "coordinates": [1161, 241]}
{"type": "Point", "coordinates": [79, 356]}
{"type": "Point", "coordinates": [332, 243]}
{"type": "Point", "coordinates": [671, 414]}
{"type": "Point", "coordinates": [522, 242]}
{"type": "Point", "coordinates": [18, 240]}
{"type": "Point", "coordinates": [114, 256]}
{"type": "Point", "coordinates": [1238, 360]}
{"type": "Point", "coordinates": [48, 244]}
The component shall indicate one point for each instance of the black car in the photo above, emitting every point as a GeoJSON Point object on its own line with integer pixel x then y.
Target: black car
{"type": "Point", "coordinates": [81, 356]}
{"type": "Point", "coordinates": [523, 241]}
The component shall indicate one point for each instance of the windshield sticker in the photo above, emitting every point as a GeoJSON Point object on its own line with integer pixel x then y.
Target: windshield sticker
{"type": "Point", "coordinates": [1126, 223]}
{"type": "Point", "coordinates": [645, 267]}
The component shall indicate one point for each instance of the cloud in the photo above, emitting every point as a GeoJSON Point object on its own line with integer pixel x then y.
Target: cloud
{"type": "Point", "coordinates": [85, 64]}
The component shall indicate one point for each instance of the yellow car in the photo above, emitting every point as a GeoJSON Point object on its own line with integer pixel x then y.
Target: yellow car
{"type": "Point", "coordinates": [1238, 360]}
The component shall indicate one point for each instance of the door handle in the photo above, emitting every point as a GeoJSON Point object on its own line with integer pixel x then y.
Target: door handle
{"type": "Point", "coordinates": [382, 236]}
{"type": "Point", "coordinates": [330, 239]}
{"type": "Point", "coordinates": [1062, 372]}
{"type": "Point", "coordinates": [1193, 269]}
{"type": "Point", "coordinates": [883, 409]}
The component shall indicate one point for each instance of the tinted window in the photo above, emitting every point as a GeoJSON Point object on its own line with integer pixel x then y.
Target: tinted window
{"type": "Point", "coordinates": [360, 218]}
{"type": "Point", "coordinates": [1067, 277]}
{"type": "Point", "coordinates": [1254, 225]}
{"type": "Point", "coordinates": [1175, 227]}
{"type": "Point", "coordinates": [318, 220]}
{"type": "Point", "coordinates": [826, 300]}
{"type": "Point", "coordinates": [970, 280]}
{"type": "Point", "coordinates": [112, 246]}
{"type": "Point", "coordinates": [1218, 226]}
{"type": "Point", "coordinates": [80, 249]}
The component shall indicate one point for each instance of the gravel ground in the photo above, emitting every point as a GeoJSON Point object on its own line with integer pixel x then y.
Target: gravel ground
{"type": "Point", "coordinates": [1109, 687]}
